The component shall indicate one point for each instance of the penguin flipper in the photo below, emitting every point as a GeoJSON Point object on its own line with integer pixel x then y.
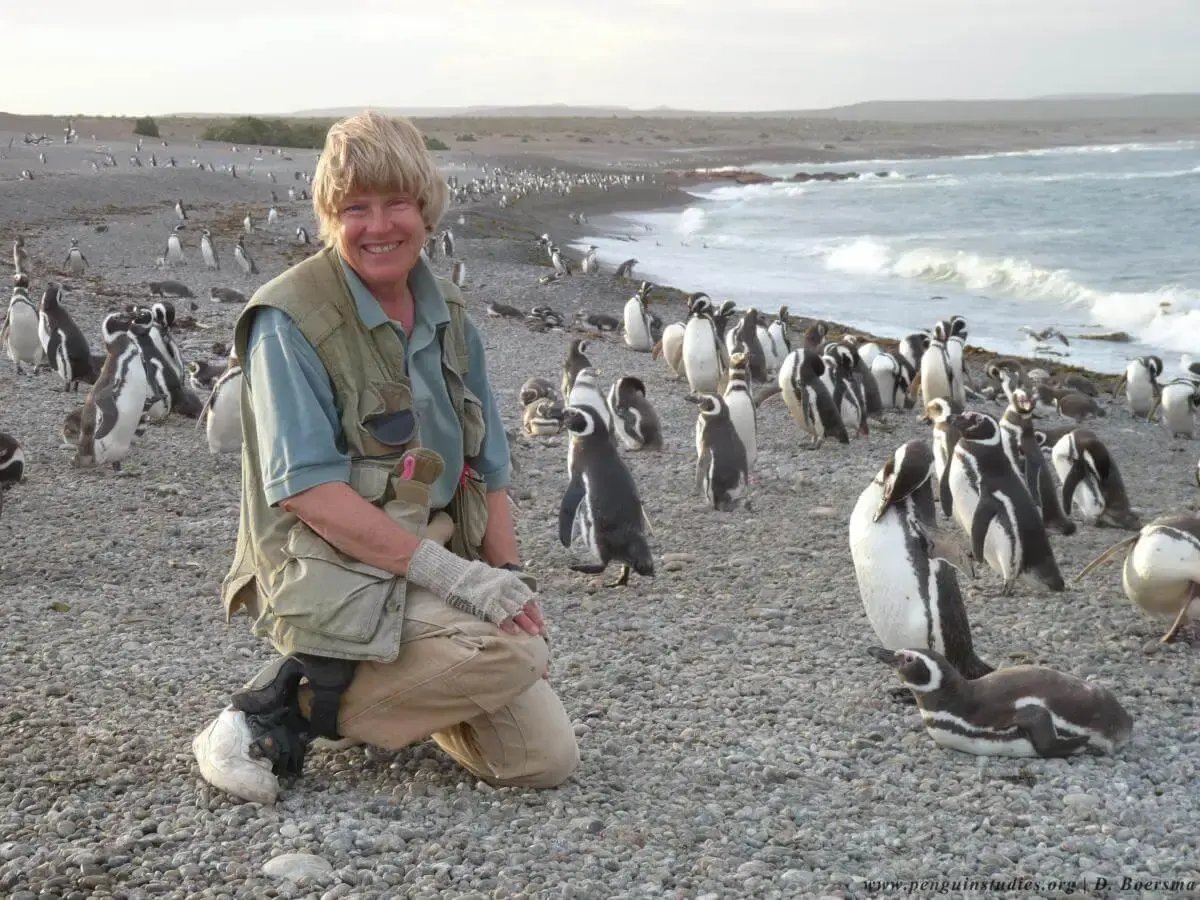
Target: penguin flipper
{"type": "Point", "coordinates": [944, 493]}
{"type": "Point", "coordinates": [1076, 475]}
{"type": "Point", "coordinates": [1036, 726]}
{"type": "Point", "coordinates": [566, 511]}
{"type": "Point", "coordinates": [984, 513]}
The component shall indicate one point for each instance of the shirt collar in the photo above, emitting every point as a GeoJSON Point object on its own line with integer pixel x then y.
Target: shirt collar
{"type": "Point", "coordinates": [431, 308]}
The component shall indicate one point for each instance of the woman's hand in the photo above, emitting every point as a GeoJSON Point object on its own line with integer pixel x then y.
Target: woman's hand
{"type": "Point", "coordinates": [529, 620]}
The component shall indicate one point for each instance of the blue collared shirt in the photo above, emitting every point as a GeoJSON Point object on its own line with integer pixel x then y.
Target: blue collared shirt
{"type": "Point", "coordinates": [296, 417]}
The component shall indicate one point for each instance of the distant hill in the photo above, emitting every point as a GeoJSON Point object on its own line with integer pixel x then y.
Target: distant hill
{"type": "Point", "coordinates": [1052, 108]}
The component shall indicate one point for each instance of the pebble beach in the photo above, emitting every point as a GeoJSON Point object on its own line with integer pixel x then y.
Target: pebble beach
{"type": "Point", "coordinates": [736, 738]}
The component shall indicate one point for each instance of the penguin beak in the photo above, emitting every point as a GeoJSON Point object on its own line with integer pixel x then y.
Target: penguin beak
{"type": "Point", "coordinates": [885, 656]}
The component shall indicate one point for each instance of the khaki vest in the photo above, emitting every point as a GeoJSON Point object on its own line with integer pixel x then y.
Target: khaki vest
{"type": "Point", "coordinates": [304, 594]}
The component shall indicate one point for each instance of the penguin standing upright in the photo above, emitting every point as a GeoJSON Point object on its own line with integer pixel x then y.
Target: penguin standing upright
{"type": "Point", "coordinates": [636, 421]}
{"type": "Point", "coordinates": [994, 508]}
{"type": "Point", "coordinates": [586, 392]}
{"type": "Point", "coordinates": [244, 260]}
{"type": "Point", "coordinates": [807, 397]}
{"type": "Point", "coordinates": [671, 348]}
{"type": "Point", "coordinates": [864, 379]}
{"type": "Point", "coordinates": [174, 254]}
{"type": "Point", "coordinates": [1024, 453]}
{"type": "Point", "coordinates": [742, 412]}
{"type": "Point", "coordinates": [721, 472]}
{"type": "Point", "coordinates": [575, 363]}
{"type": "Point", "coordinates": [601, 508]}
{"type": "Point", "coordinates": [1091, 480]}
{"type": "Point", "coordinates": [847, 395]}
{"type": "Point", "coordinates": [114, 406]}
{"type": "Point", "coordinates": [222, 411]}
{"type": "Point", "coordinates": [208, 251]}
{"type": "Point", "coordinates": [20, 256]}
{"type": "Point", "coordinates": [911, 595]}
{"type": "Point", "coordinates": [703, 353]}
{"type": "Point", "coordinates": [912, 350]}
{"type": "Point", "coordinates": [180, 211]}
{"type": "Point", "coordinates": [1141, 384]}
{"type": "Point", "coordinates": [20, 332]}
{"type": "Point", "coordinates": [945, 437]}
{"type": "Point", "coordinates": [63, 345]}
{"type": "Point", "coordinates": [744, 334]}
{"type": "Point", "coordinates": [777, 344]}
{"type": "Point", "coordinates": [893, 378]}
{"type": "Point", "coordinates": [937, 378]}
{"type": "Point", "coordinates": [637, 320]}
{"type": "Point", "coordinates": [458, 276]}
{"type": "Point", "coordinates": [75, 262]}
{"type": "Point", "coordinates": [956, 342]}
{"type": "Point", "coordinates": [1178, 400]}
{"type": "Point", "coordinates": [1017, 711]}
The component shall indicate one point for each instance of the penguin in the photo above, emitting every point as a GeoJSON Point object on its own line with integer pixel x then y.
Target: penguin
{"type": "Point", "coordinates": [222, 411]}
{"type": "Point", "coordinates": [1076, 382]}
{"type": "Point", "coordinates": [248, 224]}
{"type": "Point", "coordinates": [912, 349]}
{"type": "Point", "coordinates": [956, 342]}
{"type": "Point", "coordinates": [208, 251]}
{"type": "Point", "coordinates": [63, 345]}
{"type": "Point", "coordinates": [114, 406]}
{"type": "Point", "coordinates": [448, 244]}
{"type": "Point", "coordinates": [945, 437]}
{"type": "Point", "coordinates": [808, 399]}
{"type": "Point", "coordinates": [637, 321]}
{"type": "Point", "coordinates": [937, 377]}
{"type": "Point", "coordinates": [20, 257]}
{"type": "Point", "coordinates": [169, 289]}
{"type": "Point", "coordinates": [1091, 480]}
{"type": "Point", "coordinates": [458, 275]}
{"type": "Point", "coordinates": [272, 216]}
{"type": "Point", "coordinates": [585, 391]}
{"type": "Point", "coordinates": [1141, 384]}
{"type": "Point", "coordinates": [994, 508]}
{"type": "Point", "coordinates": [892, 380]}
{"type": "Point", "coordinates": [12, 461]}
{"type": "Point", "coordinates": [590, 265]}
{"type": "Point", "coordinates": [724, 317]}
{"type": "Point", "coordinates": [174, 252]}
{"type": "Point", "coordinates": [742, 412]}
{"type": "Point", "coordinates": [910, 594]}
{"type": "Point", "coordinates": [180, 211]}
{"type": "Point", "coordinates": [1079, 407]}
{"type": "Point", "coordinates": [703, 357]}
{"type": "Point", "coordinates": [1178, 400]}
{"type": "Point", "coordinates": [864, 380]}
{"type": "Point", "coordinates": [601, 508]}
{"type": "Point", "coordinates": [1024, 454]}
{"type": "Point", "coordinates": [244, 261]}
{"type": "Point", "coordinates": [1020, 711]}
{"type": "Point", "coordinates": [777, 344]}
{"type": "Point", "coordinates": [744, 334]}
{"type": "Point", "coordinates": [814, 335]}
{"type": "Point", "coordinates": [75, 261]}
{"type": "Point", "coordinates": [575, 362]}
{"type": "Point", "coordinates": [543, 417]}
{"type": "Point", "coordinates": [636, 421]}
{"type": "Point", "coordinates": [538, 388]}
{"type": "Point", "coordinates": [625, 269]}
{"type": "Point", "coordinates": [601, 322]}
{"type": "Point", "coordinates": [503, 311]}
{"type": "Point", "coordinates": [671, 348]}
{"type": "Point", "coordinates": [847, 399]}
{"type": "Point", "coordinates": [203, 374]}
{"type": "Point", "coordinates": [225, 295]}
{"type": "Point", "coordinates": [561, 266]}
{"type": "Point", "coordinates": [302, 237]}
{"type": "Point", "coordinates": [721, 473]}
{"type": "Point", "coordinates": [20, 332]}
{"type": "Point", "coordinates": [1161, 574]}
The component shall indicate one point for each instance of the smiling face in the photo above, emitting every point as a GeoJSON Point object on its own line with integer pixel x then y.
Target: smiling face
{"type": "Point", "coordinates": [380, 236]}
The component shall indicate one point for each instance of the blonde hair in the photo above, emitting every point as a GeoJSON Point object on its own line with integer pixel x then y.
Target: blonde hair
{"type": "Point", "coordinates": [370, 153]}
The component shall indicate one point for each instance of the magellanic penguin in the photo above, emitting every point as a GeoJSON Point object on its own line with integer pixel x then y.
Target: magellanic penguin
{"type": "Point", "coordinates": [721, 472]}
{"type": "Point", "coordinates": [75, 262]}
{"type": "Point", "coordinates": [956, 342]}
{"type": "Point", "coordinates": [937, 375]}
{"type": "Point", "coordinates": [1178, 400]}
{"type": "Point", "coordinates": [912, 350]}
{"type": "Point", "coordinates": [208, 250]}
{"type": "Point", "coordinates": [848, 396]}
{"type": "Point", "coordinates": [945, 437]}
{"type": "Point", "coordinates": [542, 417]}
{"type": "Point", "coordinates": [244, 260]}
{"type": "Point", "coordinates": [1092, 482]}
{"type": "Point", "coordinates": [1024, 452]}
{"type": "Point", "coordinates": [222, 411]}
{"type": "Point", "coordinates": [1016, 711]}
{"type": "Point", "coordinates": [458, 275]}
{"type": "Point", "coordinates": [635, 419]}
{"type": "Point", "coordinates": [742, 412]}
{"type": "Point", "coordinates": [893, 377]}
{"type": "Point", "coordinates": [601, 508]}
{"type": "Point", "coordinates": [625, 269]}
{"type": "Point", "coordinates": [671, 348]}
{"type": "Point", "coordinates": [1141, 384]}
{"type": "Point", "coordinates": [63, 344]}
{"type": "Point", "coordinates": [808, 399]}
{"type": "Point", "coordinates": [202, 374]}
{"type": "Point", "coordinates": [497, 310]}
{"type": "Point", "coordinates": [225, 295]}
{"type": "Point", "coordinates": [20, 332]}
{"type": "Point", "coordinates": [637, 320]}
{"type": "Point", "coordinates": [743, 335]}
{"type": "Point", "coordinates": [114, 406]}
{"type": "Point", "coordinates": [911, 595]}
{"type": "Point", "coordinates": [538, 388]}
{"type": "Point", "coordinates": [778, 343]}
{"type": "Point", "coordinates": [994, 508]}
{"type": "Point", "coordinates": [12, 461]}
{"type": "Point", "coordinates": [864, 379]}
{"type": "Point", "coordinates": [586, 392]}
{"type": "Point", "coordinates": [575, 363]}
{"type": "Point", "coordinates": [1078, 407]}
{"type": "Point", "coordinates": [1162, 573]}
{"type": "Point", "coordinates": [174, 252]}
{"type": "Point", "coordinates": [703, 352]}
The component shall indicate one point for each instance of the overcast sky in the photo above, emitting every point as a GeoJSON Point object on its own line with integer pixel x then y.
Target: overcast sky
{"type": "Point", "coordinates": [265, 56]}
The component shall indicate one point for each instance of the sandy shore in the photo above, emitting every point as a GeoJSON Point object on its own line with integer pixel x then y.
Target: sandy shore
{"type": "Point", "coordinates": [736, 738]}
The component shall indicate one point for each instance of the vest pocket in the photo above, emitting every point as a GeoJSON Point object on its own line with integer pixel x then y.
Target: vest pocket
{"type": "Point", "coordinates": [386, 421]}
{"type": "Point", "coordinates": [321, 590]}
{"type": "Point", "coordinates": [473, 424]}
{"type": "Point", "coordinates": [468, 509]}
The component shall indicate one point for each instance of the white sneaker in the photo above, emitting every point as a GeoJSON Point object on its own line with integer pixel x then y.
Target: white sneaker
{"type": "Point", "coordinates": [223, 752]}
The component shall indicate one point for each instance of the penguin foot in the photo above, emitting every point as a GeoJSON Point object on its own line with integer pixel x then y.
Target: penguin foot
{"type": "Point", "coordinates": [623, 580]}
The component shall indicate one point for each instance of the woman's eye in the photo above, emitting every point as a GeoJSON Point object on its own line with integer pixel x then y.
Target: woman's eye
{"type": "Point", "coordinates": [400, 203]}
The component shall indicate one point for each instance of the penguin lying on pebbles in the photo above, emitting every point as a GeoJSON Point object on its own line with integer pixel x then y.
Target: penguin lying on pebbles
{"type": "Point", "coordinates": [225, 295]}
{"type": "Point", "coordinates": [1162, 572]}
{"type": "Point", "coordinates": [635, 419]}
{"type": "Point", "coordinates": [910, 594]}
{"type": "Point", "coordinates": [543, 417]}
{"type": "Point", "coordinates": [601, 508]}
{"type": "Point", "coordinates": [537, 388]}
{"type": "Point", "coordinates": [1017, 711]}
{"type": "Point", "coordinates": [12, 464]}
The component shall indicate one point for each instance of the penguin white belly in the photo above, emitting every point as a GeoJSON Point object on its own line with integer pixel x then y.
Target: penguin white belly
{"type": "Point", "coordinates": [224, 427]}
{"type": "Point", "coordinates": [731, 341]}
{"type": "Point", "coordinates": [1087, 502]}
{"type": "Point", "coordinates": [583, 530]}
{"type": "Point", "coordinates": [941, 455]}
{"type": "Point", "coordinates": [770, 357]}
{"type": "Point", "coordinates": [954, 356]}
{"type": "Point", "coordinates": [779, 344]}
{"type": "Point", "coordinates": [935, 376]}
{"type": "Point", "coordinates": [888, 583]}
{"type": "Point", "coordinates": [884, 370]}
{"type": "Point", "coordinates": [947, 731]}
{"type": "Point", "coordinates": [1138, 390]}
{"type": "Point", "coordinates": [1000, 552]}
{"type": "Point", "coordinates": [852, 412]}
{"type": "Point", "coordinates": [630, 434]}
{"type": "Point", "coordinates": [741, 414]}
{"type": "Point", "coordinates": [1177, 416]}
{"type": "Point", "coordinates": [24, 342]}
{"type": "Point", "coordinates": [868, 353]}
{"type": "Point", "coordinates": [637, 328]}
{"type": "Point", "coordinates": [795, 401]}
{"type": "Point", "coordinates": [117, 438]}
{"type": "Point", "coordinates": [1159, 571]}
{"type": "Point", "coordinates": [672, 347]}
{"type": "Point", "coordinates": [701, 361]}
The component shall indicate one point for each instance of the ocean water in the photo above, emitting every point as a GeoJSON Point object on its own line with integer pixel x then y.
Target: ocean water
{"type": "Point", "coordinates": [1086, 239]}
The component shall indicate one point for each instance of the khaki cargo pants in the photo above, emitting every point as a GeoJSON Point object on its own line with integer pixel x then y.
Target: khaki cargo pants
{"type": "Point", "coordinates": [476, 690]}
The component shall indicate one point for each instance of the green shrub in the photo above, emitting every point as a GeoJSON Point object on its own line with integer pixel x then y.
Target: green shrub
{"type": "Point", "coordinates": [432, 143]}
{"type": "Point", "coordinates": [146, 126]}
{"type": "Point", "coordinates": [269, 132]}
{"type": "Point", "coordinates": [465, 137]}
